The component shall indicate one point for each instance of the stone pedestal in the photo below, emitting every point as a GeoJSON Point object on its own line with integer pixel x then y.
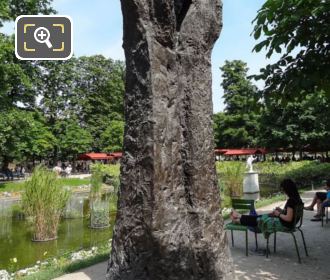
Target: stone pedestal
{"type": "Point", "coordinates": [251, 186]}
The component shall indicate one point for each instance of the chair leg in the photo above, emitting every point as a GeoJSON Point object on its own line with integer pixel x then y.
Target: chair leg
{"type": "Point", "coordinates": [322, 211]}
{"type": "Point", "coordinates": [246, 243]}
{"type": "Point", "coordinates": [267, 248]}
{"type": "Point", "coordinates": [275, 242]}
{"type": "Point", "coordinates": [327, 217]}
{"type": "Point", "coordinates": [297, 249]}
{"type": "Point", "coordinates": [303, 238]}
{"type": "Point", "coordinates": [256, 238]}
{"type": "Point", "coordinates": [232, 238]}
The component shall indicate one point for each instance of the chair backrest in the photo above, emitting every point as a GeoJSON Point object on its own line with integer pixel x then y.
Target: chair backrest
{"type": "Point", "coordinates": [298, 215]}
{"type": "Point", "coordinates": [243, 204]}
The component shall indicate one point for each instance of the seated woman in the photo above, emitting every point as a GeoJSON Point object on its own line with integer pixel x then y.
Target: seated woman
{"type": "Point", "coordinates": [320, 199]}
{"type": "Point", "coordinates": [279, 219]}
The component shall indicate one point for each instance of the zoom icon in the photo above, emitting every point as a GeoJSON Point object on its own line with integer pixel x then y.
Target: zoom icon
{"type": "Point", "coordinates": [43, 37]}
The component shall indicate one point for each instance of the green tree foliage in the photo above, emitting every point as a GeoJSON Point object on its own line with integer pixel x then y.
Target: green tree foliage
{"type": "Point", "coordinates": [17, 78]}
{"type": "Point", "coordinates": [24, 135]}
{"type": "Point", "coordinates": [298, 124]}
{"type": "Point", "coordinates": [299, 29]}
{"type": "Point", "coordinates": [80, 101]}
{"type": "Point", "coordinates": [112, 138]}
{"type": "Point", "coordinates": [237, 126]}
{"type": "Point", "coordinates": [10, 9]}
{"type": "Point", "coordinates": [56, 89]}
{"type": "Point", "coordinates": [100, 88]}
{"type": "Point", "coordinates": [72, 138]}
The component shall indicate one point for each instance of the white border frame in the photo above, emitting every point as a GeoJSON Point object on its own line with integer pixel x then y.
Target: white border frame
{"type": "Point", "coordinates": [40, 58]}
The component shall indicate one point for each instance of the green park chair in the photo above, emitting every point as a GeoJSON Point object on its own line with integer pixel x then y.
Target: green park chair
{"type": "Point", "coordinates": [248, 205]}
{"type": "Point", "coordinates": [299, 212]}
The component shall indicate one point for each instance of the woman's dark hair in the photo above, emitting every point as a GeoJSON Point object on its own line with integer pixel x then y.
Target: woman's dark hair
{"type": "Point", "coordinates": [290, 188]}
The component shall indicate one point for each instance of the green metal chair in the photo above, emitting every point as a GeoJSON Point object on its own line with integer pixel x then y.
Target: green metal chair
{"type": "Point", "coordinates": [299, 212]}
{"type": "Point", "coordinates": [248, 205]}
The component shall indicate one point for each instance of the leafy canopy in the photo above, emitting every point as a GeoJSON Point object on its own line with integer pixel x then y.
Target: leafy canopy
{"type": "Point", "coordinates": [10, 9]}
{"type": "Point", "coordinates": [300, 30]}
{"type": "Point", "coordinates": [237, 126]}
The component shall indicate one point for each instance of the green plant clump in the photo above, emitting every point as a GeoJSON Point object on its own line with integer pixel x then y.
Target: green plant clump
{"type": "Point", "coordinates": [43, 202]}
{"type": "Point", "coordinates": [99, 217]}
{"type": "Point", "coordinates": [231, 178]}
{"type": "Point", "coordinates": [100, 214]}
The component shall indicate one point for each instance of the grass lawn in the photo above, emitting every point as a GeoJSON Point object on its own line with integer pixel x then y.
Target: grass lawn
{"type": "Point", "coordinates": [19, 186]}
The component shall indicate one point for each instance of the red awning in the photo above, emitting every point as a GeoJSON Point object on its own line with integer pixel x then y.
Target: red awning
{"type": "Point", "coordinates": [240, 152]}
{"type": "Point", "coordinates": [95, 156]}
{"type": "Point", "coordinates": [116, 155]}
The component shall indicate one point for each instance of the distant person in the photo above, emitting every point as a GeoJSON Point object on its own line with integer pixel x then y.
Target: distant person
{"type": "Point", "coordinates": [9, 173]}
{"type": "Point", "coordinates": [320, 199]}
{"type": "Point", "coordinates": [22, 171]}
{"type": "Point", "coordinates": [68, 170]}
{"type": "Point", "coordinates": [57, 170]}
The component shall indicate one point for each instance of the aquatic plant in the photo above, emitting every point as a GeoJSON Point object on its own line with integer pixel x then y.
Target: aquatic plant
{"type": "Point", "coordinates": [99, 217]}
{"type": "Point", "coordinates": [231, 178]}
{"type": "Point", "coordinates": [44, 201]}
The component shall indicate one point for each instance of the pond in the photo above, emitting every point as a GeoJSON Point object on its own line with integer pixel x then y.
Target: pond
{"type": "Point", "coordinates": [73, 235]}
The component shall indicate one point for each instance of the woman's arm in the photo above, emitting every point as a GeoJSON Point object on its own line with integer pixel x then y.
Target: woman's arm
{"type": "Point", "coordinates": [288, 217]}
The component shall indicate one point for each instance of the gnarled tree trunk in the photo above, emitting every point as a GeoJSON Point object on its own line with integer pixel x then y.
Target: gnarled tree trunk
{"type": "Point", "coordinates": [168, 223]}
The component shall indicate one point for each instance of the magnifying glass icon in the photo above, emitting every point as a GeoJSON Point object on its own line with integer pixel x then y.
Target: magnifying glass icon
{"type": "Point", "coordinates": [41, 35]}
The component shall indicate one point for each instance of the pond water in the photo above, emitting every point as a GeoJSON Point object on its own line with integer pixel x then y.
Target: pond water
{"type": "Point", "coordinates": [73, 235]}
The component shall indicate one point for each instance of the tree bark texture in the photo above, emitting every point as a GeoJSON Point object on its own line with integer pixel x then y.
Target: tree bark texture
{"type": "Point", "coordinates": [168, 222]}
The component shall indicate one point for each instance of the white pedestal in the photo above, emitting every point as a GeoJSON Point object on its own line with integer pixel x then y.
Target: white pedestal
{"type": "Point", "coordinates": [251, 186]}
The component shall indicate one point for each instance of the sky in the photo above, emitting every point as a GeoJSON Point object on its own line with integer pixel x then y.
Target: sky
{"type": "Point", "coordinates": [97, 29]}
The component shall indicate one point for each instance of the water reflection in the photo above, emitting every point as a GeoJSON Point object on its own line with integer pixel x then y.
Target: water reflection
{"type": "Point", "coordinates": [73, 234]}
{"type": "Point", "coordinates": [5, 218]}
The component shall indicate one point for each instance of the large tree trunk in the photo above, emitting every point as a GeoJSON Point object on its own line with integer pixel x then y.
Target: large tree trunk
{"type": "Point", "coordinates": [168, 221]}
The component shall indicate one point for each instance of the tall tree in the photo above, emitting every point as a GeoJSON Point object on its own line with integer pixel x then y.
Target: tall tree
{"type": "Point", "coordinates": [100, 90]}
{"type": "Point", "coordinates": [56, 89]}
{"type": "Point", "coordinates": [300, 30]}
{"type": "Point", "coordinates": [237, 126]}
{"type": "Point", "coordinates": [18, 78]}
{"type": "Point", "coordinates": [56, 94]}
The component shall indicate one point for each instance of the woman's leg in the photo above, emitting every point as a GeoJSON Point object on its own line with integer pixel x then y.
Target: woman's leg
{"type": "Point", "coordinates": [249, 220]}
{"type": "Point", "coordinates": [245, 220]}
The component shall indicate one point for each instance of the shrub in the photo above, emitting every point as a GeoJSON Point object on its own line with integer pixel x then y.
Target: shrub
{"type": "Point", "coordinates": [43, 202]}
{"type": "Point", "coordinates": [110, 173]}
